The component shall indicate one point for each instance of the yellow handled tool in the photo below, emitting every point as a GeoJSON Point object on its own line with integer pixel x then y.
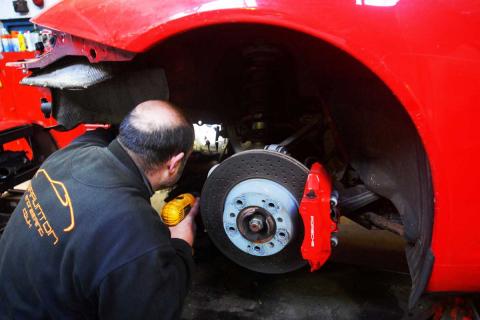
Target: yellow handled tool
{"type": "Point", "coordinates": [175, 210]}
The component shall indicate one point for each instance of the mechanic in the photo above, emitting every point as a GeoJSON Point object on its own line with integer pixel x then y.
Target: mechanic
{"type": "Point", "coordinates": [84, 241]}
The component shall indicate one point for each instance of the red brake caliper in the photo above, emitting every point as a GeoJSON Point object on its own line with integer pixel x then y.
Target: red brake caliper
{"type": "Point", "coordinates": [315, 210]}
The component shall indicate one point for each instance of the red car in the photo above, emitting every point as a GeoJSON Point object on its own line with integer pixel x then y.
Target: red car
{"type": "Point", "coordinates": [382, 93]}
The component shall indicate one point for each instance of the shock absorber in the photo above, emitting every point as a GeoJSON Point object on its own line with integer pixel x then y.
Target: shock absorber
{"type": "Point", "coordinates": [261, 90]}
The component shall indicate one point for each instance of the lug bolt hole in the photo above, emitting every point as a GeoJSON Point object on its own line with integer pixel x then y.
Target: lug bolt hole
{"type": "Point", "coordinates": [231, 228]}
{"type": "Point", "coordinates": [271, 205]}
{"type": "Point", "coordinates": [257, 248]}
{"type": "Point", "coordinates": [239, 202]}
{"type": "Point", "coordinates": [279, 219]}
{"type": "Point", "coordinates": [282, 234]}
{"type": "Point", "coordinates": [271, 244]}
{"type": "Point", "coordinates": [232, 215]}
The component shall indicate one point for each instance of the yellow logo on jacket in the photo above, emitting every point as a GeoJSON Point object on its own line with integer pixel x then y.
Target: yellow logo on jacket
{"type": "Point", "coordinates": [35, 216]}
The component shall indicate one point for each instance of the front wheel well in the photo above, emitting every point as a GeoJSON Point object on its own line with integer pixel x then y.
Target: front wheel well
{"type": "Point", "coordinates": [265, 81]}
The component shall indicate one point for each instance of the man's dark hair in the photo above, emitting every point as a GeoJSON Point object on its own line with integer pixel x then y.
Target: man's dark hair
{"type": "Point", "coordinates": [157, 145]}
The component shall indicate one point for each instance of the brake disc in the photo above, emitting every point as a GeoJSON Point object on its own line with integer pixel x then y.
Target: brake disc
{"type": "Point", "coordinates": [249, 207]}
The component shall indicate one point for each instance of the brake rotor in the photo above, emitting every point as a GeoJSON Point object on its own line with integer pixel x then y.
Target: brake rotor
{"type": "Point", "coordinates": [249, 206]}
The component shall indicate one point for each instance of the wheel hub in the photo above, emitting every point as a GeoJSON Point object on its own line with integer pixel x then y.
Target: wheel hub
{"type": "Point", "coordinates": [259, 217]}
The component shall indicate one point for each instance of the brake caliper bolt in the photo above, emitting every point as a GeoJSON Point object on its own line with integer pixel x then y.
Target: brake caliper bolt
{"type": "Point", "coordinates": [334, 199]}
{"type": "Point", "coordinates": [334, 241]}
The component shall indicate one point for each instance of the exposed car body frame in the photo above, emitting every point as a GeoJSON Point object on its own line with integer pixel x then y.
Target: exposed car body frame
{"type": "Point", "coordinates": [426, 52]}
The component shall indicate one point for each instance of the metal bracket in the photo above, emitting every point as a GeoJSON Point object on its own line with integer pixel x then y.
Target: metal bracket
{"type": "Point", "coordinates": [61, 44]}
{"type": "Point", "coordinates": [276, 148]}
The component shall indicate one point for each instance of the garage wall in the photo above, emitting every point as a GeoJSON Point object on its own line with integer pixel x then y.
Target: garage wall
{"type": "Point", "coordinates": [7, 12]}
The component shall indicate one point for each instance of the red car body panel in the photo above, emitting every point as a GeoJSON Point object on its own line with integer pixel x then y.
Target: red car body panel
{"type": "Point", "coordinates": [427, 52]}
{"type": "Point", "coordinates": [20, 105]}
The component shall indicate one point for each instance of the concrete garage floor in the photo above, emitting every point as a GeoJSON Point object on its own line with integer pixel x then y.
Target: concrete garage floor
{"type": "Point", "coordinates": [374, 284]}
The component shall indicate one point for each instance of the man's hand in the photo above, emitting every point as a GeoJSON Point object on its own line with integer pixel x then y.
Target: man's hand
{"type": "Point", "coordinates": [186, 229]}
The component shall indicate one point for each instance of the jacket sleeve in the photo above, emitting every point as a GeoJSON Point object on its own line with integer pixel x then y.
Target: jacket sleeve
{"type": "Point", "coordinates": [152, 286]}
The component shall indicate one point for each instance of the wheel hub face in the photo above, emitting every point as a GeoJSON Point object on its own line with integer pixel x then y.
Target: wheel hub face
{"type": "Point", "coordinates": [259, 217]}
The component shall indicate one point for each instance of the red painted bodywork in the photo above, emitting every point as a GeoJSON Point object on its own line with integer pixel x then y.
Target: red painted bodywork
{"type": "Point", "coordinates": [315, 211]}
{"type": "Point", "coordinates": [427, 52]}
{"type": "Point", "coordinates": [20, 105]}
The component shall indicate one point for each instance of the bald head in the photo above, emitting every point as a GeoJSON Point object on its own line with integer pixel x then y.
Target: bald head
{"type": "Point", "coordinates": [156, 114]}
{"type": "Point", "coordinates": [155, 131]}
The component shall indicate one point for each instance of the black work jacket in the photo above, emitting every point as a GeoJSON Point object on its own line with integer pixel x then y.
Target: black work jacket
{"type": "Point", "coordinates": [84, 242]}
